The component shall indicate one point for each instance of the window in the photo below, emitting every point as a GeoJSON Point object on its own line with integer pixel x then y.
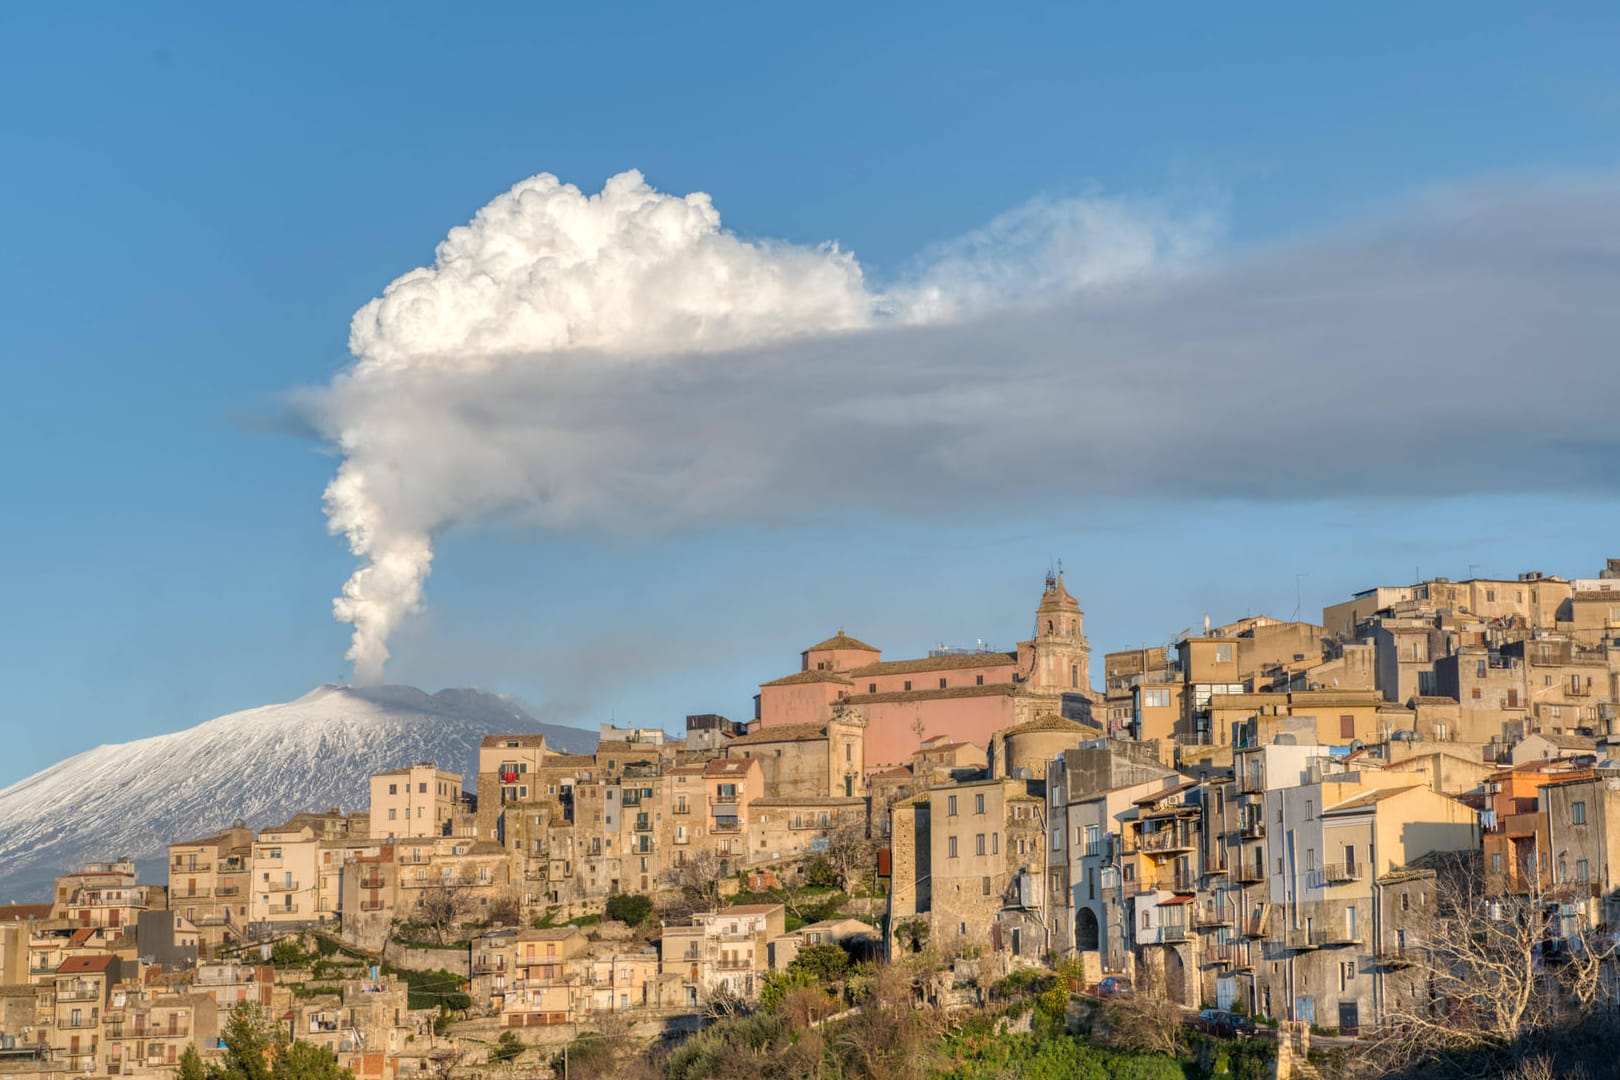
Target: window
{"type": "Point", "coordinates": [978, 804]}
{"type": "Point", "coordinates": [393, 789]}
{"type": "Point", "coordinates": [1474, 693]}
{"type": "Point", "coordinates": [950, 846]}
{"type": "Point", "coordinates": [421, 789]}
{"type": "Point", "coordinates": [1223, 654]}
{"type": "Point", "coordinates": [908, 684]}
{"type": "Point", "coordinates": [1583, 870]}
{"type": "Point", "coordinates": [942, 684]}
{"type": "Point", "coordinates": [1310, 809]}
{"type": "Point", "coordinates": [978, 844]}
{"type": "Point", "coordinates": [392, 813]}
{"type": "Point", "coordinates": [980, 678]}
{"type": "Point", "coordinates": [1479, 669]}
{"type": "Point", "coordinates": [1347, 726]}
{"type": "Point", "coordinates": [1057, 839]}
{"type": "Point", "coordinates": [1310, 858]}
{"type": "Point", "coordinates": [1490, 596]}
{"type": "Point", "coordinates": [871, 688]}
{"type": "Point", "coordinates": [1156, 698]}
{"type": "Point", "coordinates": [950, 806]}
{"type": "Point", "coordinates": [1496, 862]}
{"type": "Point", "coordinates": [995, 843]}
{"type": "Point", "coordinates": [986, 886]}
{"type": "Point", "coordinates": [1577, 812]}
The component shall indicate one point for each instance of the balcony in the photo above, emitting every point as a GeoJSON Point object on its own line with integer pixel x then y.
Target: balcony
{"type": "Point", "coordinates": [1306, 940]}
{"type": "Point", "coordinates": [1341, 873]}
{"type": "Point", "coordinates": [1173, 932]}
{"type": "Point", "coordinates": [681, 808]}
{"type": "Point", "coordinates": [216, 919]}
{"type": "Point", "coordinates": [79, 1023]}
{"type": "Point", "coordinates": [371, 883]}
{"type": "Point", "coordinates": [1341, 935]}
{"type": "Point", "coordinates": [1250, 875]}
{"type": "Point", "coordinates": [1252, 830]}
{"type": "Point", "coordinates": [735, 965]}
{"type": "Point", "coordinates": [1168, 841]}
{"type": "Point", "coordinates": [724, 800]}
{"type": "Point", "coordinates": [283, 909]}
{"type": "Point", "coordinates": [372, 905]}
{"type": "Point", "coordinates": [642, 825]}
{"type": "Point", "coordinates": [191, 894]}
{"type": "Point", "coordinates": [78, 993]}
{"type": "Point", "coordinates": [191, 868]}
{"type": "Point", "coordinates": [1398, 957]}
{"type": "Point", "coordinates": [724, 825]}
{"type": "Point", "coordinates": [1212, 915]}
{"type": "Point", "coordinates": [228, 890]}
{"type": "Point", "coordinates": [281, 886]}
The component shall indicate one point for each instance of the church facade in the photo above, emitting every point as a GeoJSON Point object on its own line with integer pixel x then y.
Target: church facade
{"type": "Point", "coordinates": [966, 697]}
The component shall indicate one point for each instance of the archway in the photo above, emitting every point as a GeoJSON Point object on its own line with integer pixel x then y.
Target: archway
{"type": "Point", "coordinates": [1085, 930]}
{"type": "Point", "coordinates": [1175, 977]}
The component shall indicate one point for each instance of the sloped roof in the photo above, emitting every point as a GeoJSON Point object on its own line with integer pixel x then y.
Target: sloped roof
{"type": "Point", "coordinates": [77, 965]}
{"type": "Point", "coordinates": [935, 663]}
{"type": "Point", "coordinates": [987, 690]}
{"type": "Point", "coordinates": [803, 678]}
{"type": "Point", "coordinates": [781, 733]}
{"type": "Point", "coordinates": [1046, 722]}
{"type": "Point", "coordinates": [842, 640]}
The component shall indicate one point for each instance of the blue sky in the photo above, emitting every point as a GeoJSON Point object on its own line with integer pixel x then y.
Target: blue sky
{"type": "Point", "coordinates": [198, 199]}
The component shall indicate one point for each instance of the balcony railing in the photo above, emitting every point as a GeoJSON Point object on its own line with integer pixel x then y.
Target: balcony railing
{"type": "Point", "coordinates": [191, 894]}
{"type": "Point", "coordinates": [1166, 841]}
{"type": "Point", "coordinates": [724, 800]}
{"type": "Point", "coordinates": [1303, 940]}
{"type": "Point", "coordinates": [284, 909]}
{"type": "Point", "coordinates": [1339, 873]}
{"type": "Point", "coordinates": [734, 965]}
{"type": "Point", "coordinates": [1173, 932]}
{"type": "Point", "coordinates": [681, 808]}
{"type": "Point", "coordinates": [1212, 915]}
{"type": "Point", "coordinates": [78, 993]}
{"type": "Point", "coordinates": [1176, 882]}
{"type": "Point", "coordinates": [371, 883]}
{"type": "Point", "coordinates": [1398, 956]}
{"type": "Point", "coordinates": [282, 886]}
{"type": "Point", "coordinates": [228, 890]}
{"type": "Point", "coordinates": [1249, 874]}
{"type": "Point", "coordinates": [1252, 830]}
{"type": "Point", "coordinates": [723, 826]}
{"type": "Point", "coordinates": [372, 905]}
{"type": "Point", "coordinates": [191, 868]}
{"type": "Point", "coordinates": [1341, 935]}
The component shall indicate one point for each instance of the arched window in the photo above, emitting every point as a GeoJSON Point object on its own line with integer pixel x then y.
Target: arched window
{"type": "Point", "coordinates": [1048, 626]}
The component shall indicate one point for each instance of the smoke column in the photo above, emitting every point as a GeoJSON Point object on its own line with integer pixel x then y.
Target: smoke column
{"type": "Point", "coordinates": [547, 285]}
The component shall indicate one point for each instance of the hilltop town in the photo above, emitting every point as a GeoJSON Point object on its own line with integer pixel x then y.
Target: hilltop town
{"type": "Point", "coordinates": [1280, 820]}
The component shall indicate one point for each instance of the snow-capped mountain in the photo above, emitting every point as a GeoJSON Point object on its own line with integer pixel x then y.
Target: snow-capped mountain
{"type": "Point", "coordinates": [262, 765]}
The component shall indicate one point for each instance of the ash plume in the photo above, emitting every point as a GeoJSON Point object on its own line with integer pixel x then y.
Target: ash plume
{"type": "Point", "coordinates": [524, 373]}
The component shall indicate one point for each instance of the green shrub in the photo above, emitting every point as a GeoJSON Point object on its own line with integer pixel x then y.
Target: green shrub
{"type": "Point", "coordinates": [632, 909]}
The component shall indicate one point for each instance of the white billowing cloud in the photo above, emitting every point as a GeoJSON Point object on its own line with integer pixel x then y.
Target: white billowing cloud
{"type": "Point", "coordinates": [623, 363]}
{"type": "Point", "coordinates": [567, 301]}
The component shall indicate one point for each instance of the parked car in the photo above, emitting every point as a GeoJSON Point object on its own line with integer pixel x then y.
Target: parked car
{"type": "Point", "coordinates": [1224, 1025]}
{"type": "Point", "coordinates": [1114, 986]}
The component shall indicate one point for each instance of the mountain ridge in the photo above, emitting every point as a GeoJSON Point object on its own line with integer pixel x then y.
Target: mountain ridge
{"type": "Point", "coordinates": [262, 764]}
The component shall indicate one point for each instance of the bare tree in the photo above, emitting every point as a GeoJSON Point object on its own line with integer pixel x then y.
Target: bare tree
{"type": "Point", "coordinates": [442, 907]}
{"type": "Point", "coordinates": [1147, 1020]}
{"type": "Point", "coordinates": [850, 854]}
{"type": "Point", "coordinates": [1492, 973]}
{"type": "Point", "coordinates": [695, 886]}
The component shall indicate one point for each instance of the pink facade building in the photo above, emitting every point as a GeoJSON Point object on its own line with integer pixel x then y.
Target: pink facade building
{"type": "Point", "coordinates": [966, 697]}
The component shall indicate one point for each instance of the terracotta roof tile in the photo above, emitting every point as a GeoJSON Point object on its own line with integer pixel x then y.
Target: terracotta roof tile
{"type": "Point", "coordinates": [935, 663]}
{"type": "Point", "coordinates": [803, 678]}
{"type": "Point", "coordinates": [781, 733]}
{"type": "Point", "coordinates": [842, 640]}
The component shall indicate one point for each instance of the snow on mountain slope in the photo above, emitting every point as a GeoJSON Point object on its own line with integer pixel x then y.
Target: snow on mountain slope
{"type": "Point", "coordinates": [262, 765]}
